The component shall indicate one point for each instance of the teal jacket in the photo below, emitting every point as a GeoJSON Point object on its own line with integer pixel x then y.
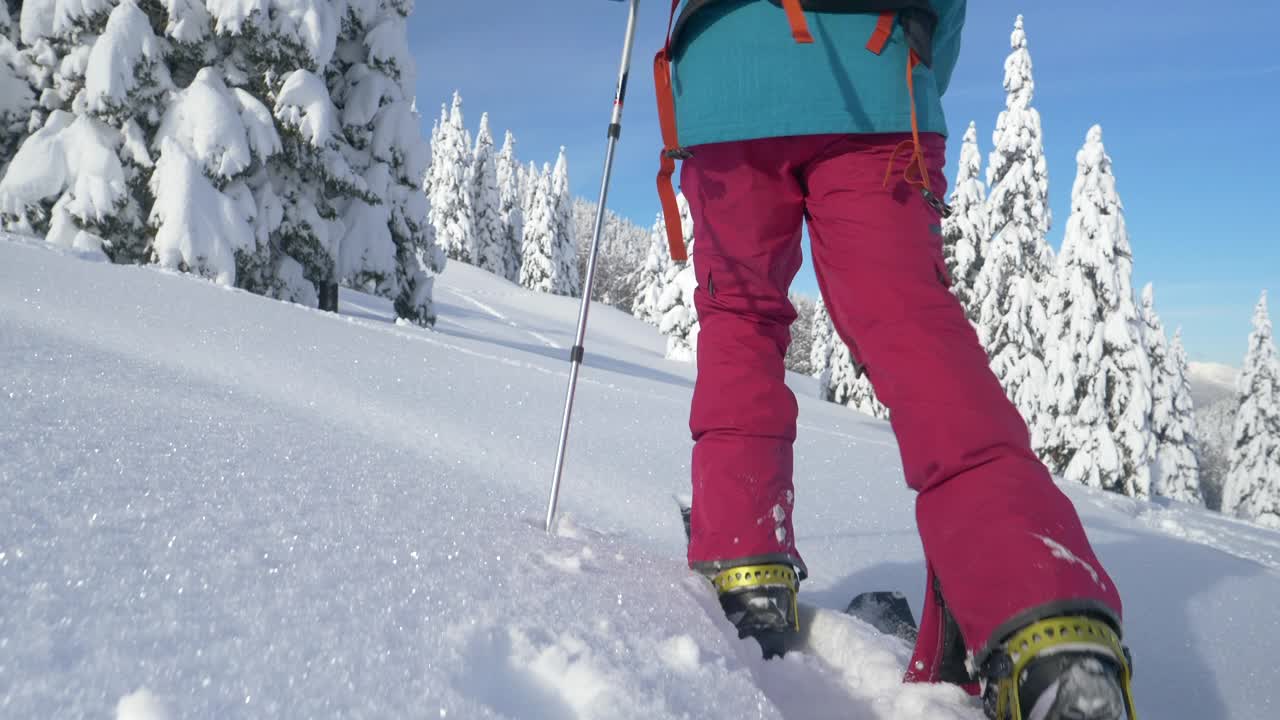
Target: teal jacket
{"type": "Point", "coordinates": [738, 74]}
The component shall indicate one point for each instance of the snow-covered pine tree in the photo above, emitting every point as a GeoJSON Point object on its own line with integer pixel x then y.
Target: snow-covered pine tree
{"type": "Point", "coordinates": [1252, 489]}
{"type": "Point", "coordinates": [583, 222]}
{"type": "Point", "coordinates": [529, 176]}
{"type": "Point", "coordinates": [81, 179]}
{"type": "Point", "coordinates": [822, 346]}
{"type": "Point", "coordinates": [16, 97]}
{"type": "Point", "coordinates": [840, 380]}
{"type": "Point", "coordinates": [627, 251]}
{"type": "Point", "coordinates": [437, 147]}
{"type": "Point", "coordinates": [569, 276]}
{"type": "Point", "coordinates": [212, 144]}
{"type": "Point", "coordinates": [679, 316]}
{"type": "Point", "coordinates": [1176, 471]}
{"type": "Point", "coordinates": [680, 319]}
{"type": "Point", "coordinates": [850, 386]}
{"type": "Point", "coordinates": [1096, 405]}
{"type": "Point", "coordinates": [651, 276]}
{"type": "Point", "coordinates": [964, 233]}
{"type": "Point", "coordinates": [539, 264]}
{"type": "Point", "coordinates": [53, 39]}
{"type": "Point", "coordinates": [623, 246]}
{"type": "Point", "coordinates": [486, 202]}
{"type": "Point", "coordinates": [278, 55]}
{"type": "Point", "coordinates": [388, 248]}
{"type": "Point", "coordinates": [511, 207]}
{"type": "Point", "coordinates": [312, 178]}
{"type": "Point", "coordinates": [1017, 261]}
{"type": "Point", "coordinates": [800, 351]}
{"type": "Point", "coordinates": [452, 215]}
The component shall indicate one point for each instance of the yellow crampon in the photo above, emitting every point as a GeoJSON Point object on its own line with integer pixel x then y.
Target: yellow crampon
{"type": "Point", "coordinates": [1037, 638]}
{"type": "Point", "coordinates": [758, 576]}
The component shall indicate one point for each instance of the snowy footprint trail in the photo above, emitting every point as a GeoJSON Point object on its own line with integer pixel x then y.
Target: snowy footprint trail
{"type": "Point", "coordinates": [221, 506]}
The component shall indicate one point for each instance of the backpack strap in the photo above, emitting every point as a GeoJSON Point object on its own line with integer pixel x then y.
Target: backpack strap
{"type": "Point", "coordinates": [915, 161]}
{"type": "Point", "coordinates": [799, 26]}
{"type": "Point", "coordinates": [884, 29]}
{"type": "Point", "coordinates": [671, 150]}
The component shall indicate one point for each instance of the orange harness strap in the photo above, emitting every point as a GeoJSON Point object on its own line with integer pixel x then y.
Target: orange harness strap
{"type": "Point", "coordinates": [884, 28]}
{"type": "Point", "coordinates": [916, 160]}
{"type": "Point", "coordinates": [879, 39]}
{"type": "Point", "coordinates": [799, 26]}
{"type": "Point", "coordinates": [671, 150]}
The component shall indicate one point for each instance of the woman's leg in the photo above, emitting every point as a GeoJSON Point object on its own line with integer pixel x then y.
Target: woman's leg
{"type": "Point", "coordinates": [1001, 539]}
{"type": "Point", "coordinates": [747, 206]}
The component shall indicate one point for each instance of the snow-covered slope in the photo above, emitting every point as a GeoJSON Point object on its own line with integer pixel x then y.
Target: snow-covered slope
{"type": "Point", "coordinates": [220, 506]}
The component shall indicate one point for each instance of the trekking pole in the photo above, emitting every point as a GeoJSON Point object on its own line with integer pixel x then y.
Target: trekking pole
{"type": "Point", "coordinates": [576, 353]}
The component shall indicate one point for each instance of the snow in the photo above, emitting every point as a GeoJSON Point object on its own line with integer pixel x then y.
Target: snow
{"type": "Point", "coordinates": [196, 225]}
{"type": "Point", "coordinates": [1060, 552]}
{"type": "Point", "coordinates": [188, 20]}
{"type": "Point", "coordinates": [223, 506]}
{"type": "Point", "coordinates": [69, 153]}
{"type": "Point", "coordinates": [140, 705]}
{"type": "Point", "coordinates": [47, 18]}
{"type": "Point", "coordinates": [126, 44]}
{"type": "Point", "coordinates": [304, 104]}
{"type": "Point", "coordinates": [305, 23]}
{"type": "Point", "coordinates": [223, 128]}
{"type": "Point", "coordinates": [15, 93]}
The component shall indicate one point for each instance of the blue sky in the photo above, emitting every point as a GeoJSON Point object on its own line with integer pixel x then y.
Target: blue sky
{"type": "Point", "coordinates": [1188, 97]}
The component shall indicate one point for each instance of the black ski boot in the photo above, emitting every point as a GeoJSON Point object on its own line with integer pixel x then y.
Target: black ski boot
{"type": "Point", "coordinates": [1062, 668]}
{"type": "Point", "coordinates": [760, 601]}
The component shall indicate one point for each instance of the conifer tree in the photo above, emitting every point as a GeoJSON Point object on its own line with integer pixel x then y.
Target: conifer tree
{"type": "Point", "coordinates": [486, 201]}
{"type": "Point", "coordinates": [539, 264]}
{"type": "Point", "coordinates": [679, 316]}
{"type": "Point", "coordinates": [81, 179]}
{"type": "Point", "coordinates": [822, 346]}
{"type": "Point", "coordinates": [651, 277]}
{"type": "Point", "coordinates": [449, 183]}
{"type": "Point", "coordinates": [1252, 489]}
{"type": "Point", "coordinates": [1176, 471]}
{"type": "Point", "coordinates": [840, 380]}
{"type": "Point", "coordinates": [511, 207]}
{"type": "Point", "coordinates": [388, 247]}
{"type": "Point", "coordinates": [1018, 260]}
{"type": "Point", "coordinates": [17, 100]}
{"type": "Point", "coordinates": [568, 274]}
{"type": "Point", "coordinates": [1096, 408]}
{"type": "Point", "coordinates": [800, 351]}
{"type": "Point", "coordinates": [964, 232]}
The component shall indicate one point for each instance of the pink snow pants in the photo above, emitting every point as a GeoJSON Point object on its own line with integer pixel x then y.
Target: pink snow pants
{"type": "Point", "coordinates": [1001, 541]}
